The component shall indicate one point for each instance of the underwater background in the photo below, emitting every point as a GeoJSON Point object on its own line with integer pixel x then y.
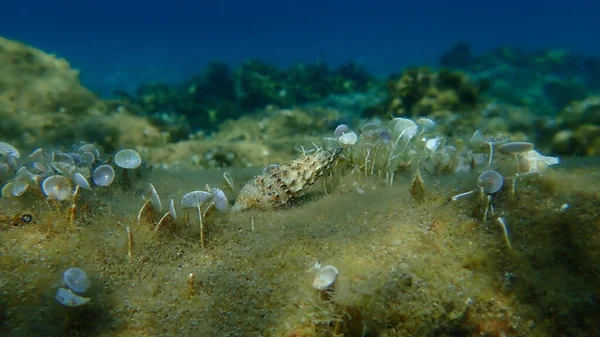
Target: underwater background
{"type": "Point", "coordinates": [119, 45]}
{"type": "Point", "coordinates": [299, 168]}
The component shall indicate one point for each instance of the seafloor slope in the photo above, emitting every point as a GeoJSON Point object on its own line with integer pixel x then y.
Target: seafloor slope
{"type": "Point", "coordinates": [405, 268]}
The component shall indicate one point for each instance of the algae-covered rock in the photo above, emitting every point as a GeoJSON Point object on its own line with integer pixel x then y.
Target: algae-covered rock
{"type": "Point", "coordinates": [204, 100]}
{"type": "Point", "coordinates": [577, 129]}
{"type": "Point", "coordinates": [253, 140]}
{"type": "Point", "coordinates": [42, 101]}
{"type": "Point", "coordinates": [220, 94]}
{"type": "Point", "coordinates": [262, 84]}
{"type": "Point", "coordinates": [545, 80]}
{"type": "Point", "coordinates": [561, 93]}
{"type": "Point", "coordinates": [29, 73]}
{"type": "Point", "coordinates": [421, 91]}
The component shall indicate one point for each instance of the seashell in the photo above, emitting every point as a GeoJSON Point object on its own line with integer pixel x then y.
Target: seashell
{"type": "Point", "coordinates": [268, 167]}
{"type": "Point", "coordinates": [279, 185]}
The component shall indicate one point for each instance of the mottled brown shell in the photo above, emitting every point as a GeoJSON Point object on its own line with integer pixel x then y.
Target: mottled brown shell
{"type": "Point", "coordinates": [278, 185]}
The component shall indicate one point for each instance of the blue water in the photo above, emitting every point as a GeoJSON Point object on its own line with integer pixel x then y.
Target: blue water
{"type": "Point", "coordinates": [119, 44]}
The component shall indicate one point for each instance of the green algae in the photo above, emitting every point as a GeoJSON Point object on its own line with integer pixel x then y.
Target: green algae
{"type": "Point", "coordinates": [405, 268]}
{"type": "Point", "coordinates": [219, 93]}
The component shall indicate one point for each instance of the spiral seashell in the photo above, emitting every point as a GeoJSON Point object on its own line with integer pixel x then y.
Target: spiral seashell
{"type": "Point", "coordinates": [280, 184]}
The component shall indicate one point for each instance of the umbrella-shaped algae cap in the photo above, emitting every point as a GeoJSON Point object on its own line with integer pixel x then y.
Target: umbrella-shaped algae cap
{"type": "Point", "coordinates": [9, 150]}
{"type": "Point", "coordinates": [128, 159]}
{"type": "Point", "coordinates": [4, 168]}
{"type": "Point", "coordinates": [220, 200]}
{"type": "Point", "coordinates": [57, 187]}
{"type": "Point", "coordinates": [172, 209]}
{"type": "Point", "coordinates": [349, 138]}
{"type": "Point", "coordinates": [81, 181]}
{"type": "Point", "coordinates": [22, 181]}
{"type": "Point", "coordinates": [76, 279]}
{"type": "Point", "coordinates": [155, 199]}
{"type": "Point", "coordinates": [425, 124]}
{"type": "Point", "coordinates": [515, 147]}
{"type": "Point", "coordinates": [103, 175]}
{"type": "Point", "coordinates": [63, 162]}
{"type": "Point", "coordinates": [68, 298]}
{"type": "Point", "coordinates": [490, 182]}
{"type": "Point", "coordinates": [195, 199]}
{"type": "Point", "coordinates": [7, 189]}
{"type": "Point", "coordinates": [340, 130]}
{"type": "Point", "coordinates": [405, 127]}
{"type": "Point", "coordinates": [478, 139]}
{"type": "Point", "coordinates": [87, 159]}
{"type": "Point", "coordinates": [325, 278]}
